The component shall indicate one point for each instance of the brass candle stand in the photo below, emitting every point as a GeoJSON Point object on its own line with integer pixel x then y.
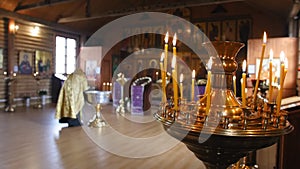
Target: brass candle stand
{"type": "Point", "coordinates": [122, 81]}
{"type": "Point", "coordinates": [37, 78]}
{"type": "Point", "coordinates": [10, 79]}
{"type": "Point", "coordinates": [229, 131]}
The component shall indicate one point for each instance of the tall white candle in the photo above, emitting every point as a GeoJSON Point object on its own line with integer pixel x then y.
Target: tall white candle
{"type": "Point", "coordinates": [193, 86]}
{"type": "Point", "coordinates": [280, 89]}
{"type": "Point", "coordinates": [270, 75]}
{"type": "Point", "coordinates": [163, 77]}
{"type": "Point", "coordinates": [244, 84]}
{"type": "Point", "coordinates": [166, 52]}
{"type": "Point", "coordinates": [181, 86]}
{"type": "Point", "coordinates": [234, 84]}
{"type": "Point", "coordinates": [208, 85]}
{"type": "Point", "coordinates": [174, 77]}
{"type": "Point", "coordinates": [260, 66]}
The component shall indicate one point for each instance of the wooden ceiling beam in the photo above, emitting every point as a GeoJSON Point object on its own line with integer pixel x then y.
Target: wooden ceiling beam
{"type": "Point", "coordinates": [149, 8]}
{"type": "Point", "coordinates": [52, 25]}
{"type": "Point", "coordinates": [41, 4]}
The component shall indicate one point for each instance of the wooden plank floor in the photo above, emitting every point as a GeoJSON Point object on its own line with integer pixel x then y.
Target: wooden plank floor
{"type": "Point", "coordinates": [33, 139]}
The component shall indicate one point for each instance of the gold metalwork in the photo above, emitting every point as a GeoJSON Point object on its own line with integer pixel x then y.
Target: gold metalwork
{"type": "Point", "coordinates": [96, 98]}
{"type": "Point", "coordinates": [229, 131]}
{"type": "Point", "coordinates": [122, 81]}
{"type": "Point", "coordinates": [37, 78]}
{"type": "Point", "coordinates": [10, 79]}
{"type": "Point", "coordinates": [71, 99]}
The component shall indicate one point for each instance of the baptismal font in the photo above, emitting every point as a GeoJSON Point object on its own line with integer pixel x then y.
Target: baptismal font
{"type": "Point", "coordinates": [219, 128]}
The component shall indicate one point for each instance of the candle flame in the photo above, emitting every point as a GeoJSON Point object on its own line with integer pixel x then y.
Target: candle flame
{"type": "Point", "coordinates": [174, 39]}
{"type": "Point", "coordinates": [265, 38]}
{"type": "Point", "coordinates": [244, 66]}
{"type": "Point", "coordinates": [181, 78]}
{"type": "Point", "coordinates": [234, 77]}
{"type": "Point", "coordinates": [282, 56]}
{"type": "Point", "coordinates": [271, 54]}
{"type": "Point", "coordinates": [162, 57]}
{"type": "Point", "coordinates": [209, 64]}
{"type": "Point", "coordinates": [286, 63]}
{"type": "Point", "coordinates": [173, 62]}
{"type": "Point", "coordinates": [167, 37]}
{"type": "Point", "coordinates": [194, 74]}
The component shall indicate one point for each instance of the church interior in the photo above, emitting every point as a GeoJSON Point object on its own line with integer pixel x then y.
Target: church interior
{"type": "Point", "coordinates": [149, 84]}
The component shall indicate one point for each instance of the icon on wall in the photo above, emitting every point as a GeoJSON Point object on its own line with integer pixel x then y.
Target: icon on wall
{"type": "Point", "coordinates": [25, 62]}
{"type": "Point", "coordinates": [43, 62]}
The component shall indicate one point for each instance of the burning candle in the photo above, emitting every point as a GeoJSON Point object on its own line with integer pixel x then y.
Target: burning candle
{"type": "Point", "coordinates": [260, 65]}
{"type": "Point", "coordinates": [104, 86]}
{"type": "Point", "coordinates": [166, 52]}
{"type": "Point", "coordinates": [174, 44]}
{"type": "Point", "coordinates": [163, 77]}
{"type": "Point", "coordinates": [234, 84]}
{"type": "Point", "coordinates": [5, 73]}
{"type": "Point", "coordinates": [280, 88]}
{"type": "Point", "coordinates": [244, 84]}
{"type": "Point", "coordinates": [181, 86]}
{"type": "Point", "coordinates": [175, 89]}
{"type": "Point", "coordinates": [209, 64]}
{"type": "Point", "coordinates": [208, 85]}
{"type": "Point", "coordinates": [193, 86]}
{"type": "Point", "coordinates": [285, 68]}
{"type": "Point", "coordinates": [270, 75]}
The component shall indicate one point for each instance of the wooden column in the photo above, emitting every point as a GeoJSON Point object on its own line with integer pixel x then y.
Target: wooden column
{"type": "Point", "coordinates": [10, 46]}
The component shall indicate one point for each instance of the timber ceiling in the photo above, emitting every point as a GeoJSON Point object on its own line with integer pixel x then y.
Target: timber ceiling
{"type": "Point", "coordinates": [87, 16]}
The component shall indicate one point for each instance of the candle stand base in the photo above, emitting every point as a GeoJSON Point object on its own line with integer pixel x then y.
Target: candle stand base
{"type": "Point", "coordinates": [38, 106]}
{"type": "Point", "coordinates": [9, 108]}
{"type": "Point", "coordinates": [97, 122]}
{"type": "Point", "coordinates": [121, 108]}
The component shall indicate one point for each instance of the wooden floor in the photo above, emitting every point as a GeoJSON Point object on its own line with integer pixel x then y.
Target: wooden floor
{"type": "Point", "coordinates": [32, 139]}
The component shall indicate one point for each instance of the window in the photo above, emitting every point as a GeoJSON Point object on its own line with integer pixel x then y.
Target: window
{"type": "Point", "coordinates": [65, 60]}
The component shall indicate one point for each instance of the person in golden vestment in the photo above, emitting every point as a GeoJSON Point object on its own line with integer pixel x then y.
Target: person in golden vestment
{"type": "Point", "coordinates": [71, 100]}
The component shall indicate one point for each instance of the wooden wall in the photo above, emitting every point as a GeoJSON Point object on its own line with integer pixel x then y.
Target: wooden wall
{"type": "Point", "coordinates": [3, 44]}
{"type": "Point", "coordinates": [286, 44]}
{"type": "Point", "coordinates": [25, 84]}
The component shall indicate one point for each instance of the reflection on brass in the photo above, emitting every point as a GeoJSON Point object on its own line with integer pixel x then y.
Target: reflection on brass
{"type": "Point", "coordinates": [230, 131]}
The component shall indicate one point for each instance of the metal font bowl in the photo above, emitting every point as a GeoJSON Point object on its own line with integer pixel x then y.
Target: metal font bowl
{"type": "Point", "coordinates": [94, 97]}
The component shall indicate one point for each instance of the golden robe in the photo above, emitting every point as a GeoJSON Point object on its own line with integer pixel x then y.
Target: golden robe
{"type": "Point", "coordinates": [71, 100]}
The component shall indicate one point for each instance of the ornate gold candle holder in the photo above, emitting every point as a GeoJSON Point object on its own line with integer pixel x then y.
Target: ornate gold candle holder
{"type": "Point", "coordinates": [10, 79]}
{"type": "Point", "coordinates": [37, 78]}
{"type": "Point", "coordinates": [122, 81]}
{"type": "Point", "coordinates": [228, 131]}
